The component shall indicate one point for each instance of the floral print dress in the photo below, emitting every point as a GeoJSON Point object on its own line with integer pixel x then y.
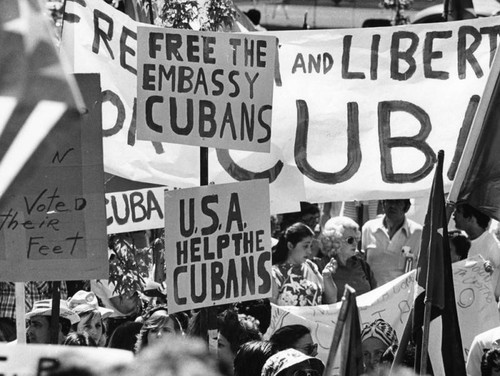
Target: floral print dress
{"type": "Point", "coordinates": [298, 285]}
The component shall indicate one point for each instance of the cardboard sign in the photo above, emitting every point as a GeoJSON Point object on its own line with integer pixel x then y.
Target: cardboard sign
{"type": "Point", "coordinates": [52, 218]}
{"type": "Point", "coordinates": [136, 210]}
{"type": "Point", "coordinates": [218, 245]}
{"type": "Point", "coordinates": [350, 106]}
{"type": "Point", "coordinates": [34, 360]}
{"type": "Point", "coordinates": [476, 309]}
{"type": "Point", "coordinates": [205, 88]}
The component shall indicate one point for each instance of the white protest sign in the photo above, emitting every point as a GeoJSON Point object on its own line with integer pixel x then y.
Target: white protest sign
{"type": "Point", "coordinates": [205, 88]}
{"type": "Point", "coordinates": [135, 210]}
{"type": "Point", "coordinates": [218, 245]}
{"type": "Point", "coordinates": [350, 106]}
{"type": "Point", "coordinates": [476, 308]}
{"type": "Point", "coordinates": [31, 360]}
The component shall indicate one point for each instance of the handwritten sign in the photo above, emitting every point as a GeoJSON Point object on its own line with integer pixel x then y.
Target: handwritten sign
{"type": "Point", "coordinates": [476, 308]}
{"type": "Point", "coordinates": [205, 88]}
{"type": "Point", "coordinates": [52, 218]}
{"type": "Point", "coordinates": [32, 360]}
{"type": "Point", "coordinates": [345, 109]}
{"type": "Point", "coordinates": [135, 210]}
{"type": "Point", "coordinates": [218, 244]}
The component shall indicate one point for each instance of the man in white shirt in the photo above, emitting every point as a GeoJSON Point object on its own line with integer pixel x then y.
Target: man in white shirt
{"type": "Point", "coordinates": [483, 242]}
{"type": "Point", "coordinates": [390, 240]}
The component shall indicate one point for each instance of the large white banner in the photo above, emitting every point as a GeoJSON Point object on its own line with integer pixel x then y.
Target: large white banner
{"type": "Point", "coordinates": [357, 113]}
{"type": "Point", "coordinates": [476, 308]}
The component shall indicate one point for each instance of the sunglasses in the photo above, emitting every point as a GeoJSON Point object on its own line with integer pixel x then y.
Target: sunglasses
{"type": "Point", "coordinates": [306, 372]}
{"type": "Point", "coordinates": [310, 349]}
{"type": "Point", "coordinates": [351, 240]}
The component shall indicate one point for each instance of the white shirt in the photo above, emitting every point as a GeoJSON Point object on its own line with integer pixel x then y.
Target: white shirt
{"type": "Point", "coordinates": [488, 247]}
{"type": "Point", "coordinates": [485, 340]}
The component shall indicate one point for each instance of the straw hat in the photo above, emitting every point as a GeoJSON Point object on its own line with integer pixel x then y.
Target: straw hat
{"type": "Point", "coordinates": [44, 308]}
{"type": "Point", "coordinates": [86, 301]}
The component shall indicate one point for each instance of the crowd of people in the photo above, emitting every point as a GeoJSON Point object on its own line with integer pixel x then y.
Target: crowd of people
{"type": "Point", "coordinates": [312, 261]}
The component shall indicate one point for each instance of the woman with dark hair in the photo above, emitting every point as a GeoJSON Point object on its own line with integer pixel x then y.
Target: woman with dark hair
{"type": "Point", "coordinates": [125, 336]}
{"type": "Point", "coordinates": [490, 362]}
{"type": "Point", "coordinates": [157, 324]}
{"type": "Point", "coordinates": [251, 357]}
{"type": "Point", "coordinates": [79, 339]}
{"type": "Point", "coordinates": [296, 279]}
{"type": "Point", "coordinates": [297, 337]}
{"type": "Point", "coordinates": [235, 330]}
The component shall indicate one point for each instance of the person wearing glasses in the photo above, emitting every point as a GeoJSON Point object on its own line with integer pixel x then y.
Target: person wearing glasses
{"type": "Point", "coordinates": [296, 279]}
{"type": "Point", "coordinates": [291, 362]}
{"type": "Point", "coordinates": [391, 243]}
{"type": "Point", "coordinates": [296, 337]}
{"type": "Point", "coordinates": [340, 238]}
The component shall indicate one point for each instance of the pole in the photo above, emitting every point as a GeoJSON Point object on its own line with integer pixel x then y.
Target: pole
{"type": "Point", "coordinates": [54, 317]}
{"type": "Point", "coordinates": [20, 313]}
{"type": "Point", "coordinates": [425, 338]}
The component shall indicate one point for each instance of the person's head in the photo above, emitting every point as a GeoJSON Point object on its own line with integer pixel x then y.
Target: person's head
{"type": "Point", "coordinates": [251, 357]}
{"type": "Point", "coordinates": [235, 330]}
{"type": "Point", "coordinates": [376, 338]}
{"type": "Point", "coordinates": [490, 362]}
{"type": "Point", "coordinates": [291, 362]}
{"type": "Point", "coordinates": [92, 316]}
{"type": "Point", "coordinates": [295, 336]}
{"type": "Point", "coordinates": [125, 336]}
{"type": "Point", "coordinates": [294, 245]}
{"type": "Point", "coordinates": [253, 15]}
{"type": "Point", "coordinates": [176, 356]}
{"type": "Point", "coordinates": [309, 214]}
{"type": "Point", "coordinates": [157, 324]}
{"type": "Point", "coordinates": [459, 246]}
{"type": "Point", "coordinates": [468, 218]}
{"type": "Point", "coordinates": [395, 210]}
{"type": "Point", "coordinates": [79, 339]}
{"type": "Point", "coordinates": [39, 329]}
{"type": "Point", "coordinates": [340, 235]}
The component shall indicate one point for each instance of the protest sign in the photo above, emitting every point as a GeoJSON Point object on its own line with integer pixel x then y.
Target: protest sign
{"type": "Point", "coordinates": [135, 210]}
{"type": "Point", "coordinates": [476, 308]}
{"type": "Point", "coordinates": [52, 218]}
{"type": "Point", "coordinates": [205, 88]}
{"type": "Point", "coordinates": [350, 106]}
{"type": "Point", "coordinates": [32, 360]}
{"type": "Point", "coordinates": [217, 245]}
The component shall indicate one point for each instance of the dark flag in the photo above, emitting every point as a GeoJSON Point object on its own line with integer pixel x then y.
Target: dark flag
{"type": "Point", "coordinates": [347, 336]}
{"type": "Point", "coordinates": [35, 92]}
{"type": "Point", "coordinates": [435, 278]}
{"type": "Point", "coordinates": [477, 179]}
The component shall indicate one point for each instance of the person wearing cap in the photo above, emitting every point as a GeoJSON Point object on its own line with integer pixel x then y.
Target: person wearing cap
{"type": "Point", "coordinates": [376, 338]}
{"type": "Point", "coordinates": [391, 243]}
{"type": "Point", "coordinates": [291, 362]}
{"type": "Point", "coordinates": [92, 316]}
{"type": "Point", "coordinates": [39, 321]}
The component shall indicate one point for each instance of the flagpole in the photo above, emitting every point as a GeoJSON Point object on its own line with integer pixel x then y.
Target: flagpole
{"type": "Point", "coordinates": [475, 132]}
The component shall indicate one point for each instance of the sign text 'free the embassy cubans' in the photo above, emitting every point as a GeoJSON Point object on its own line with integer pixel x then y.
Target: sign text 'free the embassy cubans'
{"type": "Point", "coordinates": [205, 88]}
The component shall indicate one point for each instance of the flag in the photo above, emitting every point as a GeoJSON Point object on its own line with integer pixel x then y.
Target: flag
{"type": "Point", "coordinates": [347, 336]}
{"type": "Point", "coordinates": [455, 10]}
{"type": "Point", "coordinates": [35, 93]}
{"type": "Point", "coordinates": [435, 284]}
{"type": "Point", "coordinates": [477, 180]}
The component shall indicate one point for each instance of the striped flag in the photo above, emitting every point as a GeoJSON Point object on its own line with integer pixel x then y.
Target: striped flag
{"type": "Point", "coordinates": [35, 92]}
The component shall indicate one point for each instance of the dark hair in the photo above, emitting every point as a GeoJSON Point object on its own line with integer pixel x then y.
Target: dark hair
{"type": "Point", "coordinates": [306, 208]}
{"type": "Point", "coordinates": [253, 15]}
{"type": "Point", "coordinates": [237, 328]}
{"type": "Point", "coordinates": [125, 336]}
{"type": "Point", "coordinates": [251, 357]}
{"type": "Point", "coordinates": [293, 234]}
{"type": "Point", "coordinates": [287, 336]}
{"type": "Point", "coordinates": [65, 325]}
{"type": "Point", "coordinates": [406, 201]}
{"type": "Point", "coordinates": [153, 322]}
{"type": "Point", "coordinates": [468, 211]}
{"type": "Point", "coordinates": [79, 339]}
{"type": "Point", "coordinates": [461, 242]}
{"type": "Point", "coordinates": [489, 361]}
